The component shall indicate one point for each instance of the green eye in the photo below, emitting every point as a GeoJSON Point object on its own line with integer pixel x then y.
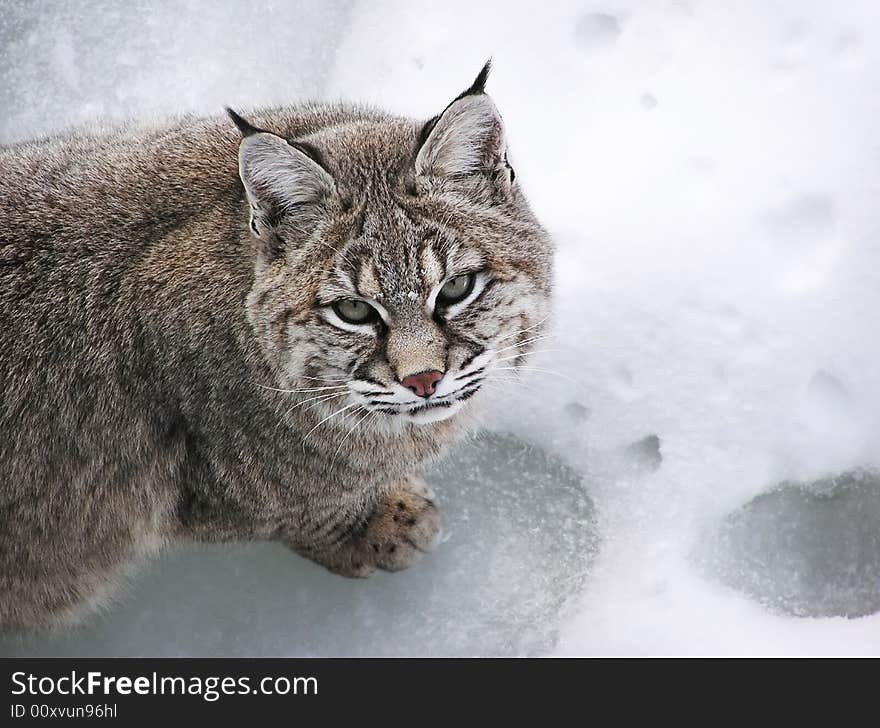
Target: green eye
{"type": "Point", "coordinates": [456, 289]}
{"type": "Point", "coordinates": [354, 311]}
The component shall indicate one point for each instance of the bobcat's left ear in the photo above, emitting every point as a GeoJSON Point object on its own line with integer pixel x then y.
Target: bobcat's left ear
{"type": "Point", "coordinates": [467, 138]}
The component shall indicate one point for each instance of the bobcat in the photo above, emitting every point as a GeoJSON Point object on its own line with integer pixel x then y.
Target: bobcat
{"type": "Point", "coordinates": [259, 330]}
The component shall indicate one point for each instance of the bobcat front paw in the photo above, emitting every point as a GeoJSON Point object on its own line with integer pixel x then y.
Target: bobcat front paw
{"type": "Point", "coordinates": [404, 525]}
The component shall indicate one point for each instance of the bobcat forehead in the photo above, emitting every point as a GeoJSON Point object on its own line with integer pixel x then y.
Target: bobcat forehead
{"type": "Point", "coordinates": [432, 269]}
{"type": "Point", "coordinates": [368, 282]}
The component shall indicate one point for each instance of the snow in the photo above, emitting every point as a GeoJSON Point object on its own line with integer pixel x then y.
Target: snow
{"type": "Point", "coordinates": [709, 171]}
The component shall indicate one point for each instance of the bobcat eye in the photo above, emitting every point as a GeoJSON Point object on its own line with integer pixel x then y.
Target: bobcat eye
{"type": "Point", "coordinates": [354, 311]}
{"type": "Point", "coordinates": [456, 289]}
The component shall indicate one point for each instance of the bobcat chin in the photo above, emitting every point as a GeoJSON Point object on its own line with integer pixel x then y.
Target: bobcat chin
{"type": "Point", "coordinates": [257, 330]}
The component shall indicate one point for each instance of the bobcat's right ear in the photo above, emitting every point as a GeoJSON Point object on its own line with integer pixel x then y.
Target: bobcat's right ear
{"type": "Point", "coordinates": [282, 179]}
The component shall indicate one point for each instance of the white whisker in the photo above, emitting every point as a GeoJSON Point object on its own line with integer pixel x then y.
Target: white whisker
{"type": "Point", "coordinates": [522, 331]}
{"type": "Point", "coordinates": [327, 380]}
{"type": "Point", "coordinates": [328, 417]}
{"type": "Point", "coordinates": [531, 353]}
{"type": "Point", "coordinates": [501, 381]}
{"type": "Point", "coordinates": [523, 343]}
{"type": "Point", "coordinates": [317, 399]}
{"type": "Point", "coordinates": [298, 391]}
{"type": "Point", "coordinates": [533, 337]}
{"type": "Point", "coordinates": [542, 371]}
{"type": "Point", "coordinates": [354, 427]}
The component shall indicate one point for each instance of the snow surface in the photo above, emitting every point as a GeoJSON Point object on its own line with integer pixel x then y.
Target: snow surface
{"type": "Point", "coordinates": [710, 173]}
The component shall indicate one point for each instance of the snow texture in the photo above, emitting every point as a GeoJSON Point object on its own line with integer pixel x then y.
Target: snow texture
{"type": "Point", "coordinates": [710, 173]}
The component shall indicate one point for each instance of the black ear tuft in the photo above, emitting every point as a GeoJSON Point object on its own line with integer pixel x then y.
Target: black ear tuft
{"type": "Point", "coordinates": [477, 88]}
{"type": "Point", "coordinates": [479, 85]}
{"type": "Point", "coordinates": [244, 126]}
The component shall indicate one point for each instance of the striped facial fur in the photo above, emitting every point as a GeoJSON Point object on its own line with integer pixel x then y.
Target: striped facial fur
{"type": "Point", "coordinates": [400, 268]}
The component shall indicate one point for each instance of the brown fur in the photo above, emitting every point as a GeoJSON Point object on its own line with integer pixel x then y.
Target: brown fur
{"type": "Point", "coordinates": [156, 352]}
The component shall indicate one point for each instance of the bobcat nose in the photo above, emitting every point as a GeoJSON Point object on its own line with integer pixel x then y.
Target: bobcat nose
{"type": "Point", "coordinates": [423, 382]}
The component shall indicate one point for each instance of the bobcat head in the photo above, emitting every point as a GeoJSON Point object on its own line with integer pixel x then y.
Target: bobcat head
{"type": "Point", "coordinates": [399, 266]}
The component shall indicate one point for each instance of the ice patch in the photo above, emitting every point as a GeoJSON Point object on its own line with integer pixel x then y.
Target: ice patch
{"type": "Point", "coordinates": [519, 540]}
{"type": "Point", "coordinates": [807, 549]}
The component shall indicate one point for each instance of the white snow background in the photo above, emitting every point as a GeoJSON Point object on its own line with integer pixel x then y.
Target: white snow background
{"type": "Point", "coordinates": [710, 172]}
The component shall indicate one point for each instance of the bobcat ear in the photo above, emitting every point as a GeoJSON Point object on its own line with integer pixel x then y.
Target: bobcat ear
{"type": "Point", "coordinates": [278, 176]}
{"type": "Point", "coordinates": [467, 138]}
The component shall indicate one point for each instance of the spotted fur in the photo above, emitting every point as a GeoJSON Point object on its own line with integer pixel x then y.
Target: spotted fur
{"type": "Point", "coordinates": [172, 365]}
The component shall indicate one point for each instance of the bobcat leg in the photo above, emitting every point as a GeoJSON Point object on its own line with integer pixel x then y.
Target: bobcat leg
{"type": "Point", "coordinates": [403, 524]}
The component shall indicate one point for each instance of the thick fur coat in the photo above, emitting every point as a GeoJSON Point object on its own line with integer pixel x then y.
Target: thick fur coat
{"type": "Point", "coordinates": [181, 349]}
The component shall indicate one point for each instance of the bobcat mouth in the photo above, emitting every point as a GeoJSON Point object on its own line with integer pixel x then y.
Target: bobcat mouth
{"type": "Point", "coordinates": [430, 410]}
{"type": "Point", "coordinates": [432, 405]}
{"type": "Point", "coordinates": [459, 395]}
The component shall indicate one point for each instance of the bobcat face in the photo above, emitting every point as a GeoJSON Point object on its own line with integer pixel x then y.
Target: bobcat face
{"type": "Point", "coordinates": [400, 267]}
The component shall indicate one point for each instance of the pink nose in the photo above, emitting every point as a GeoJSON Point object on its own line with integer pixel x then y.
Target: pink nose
{"type": "Point", "coordinates": [423, 382]}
